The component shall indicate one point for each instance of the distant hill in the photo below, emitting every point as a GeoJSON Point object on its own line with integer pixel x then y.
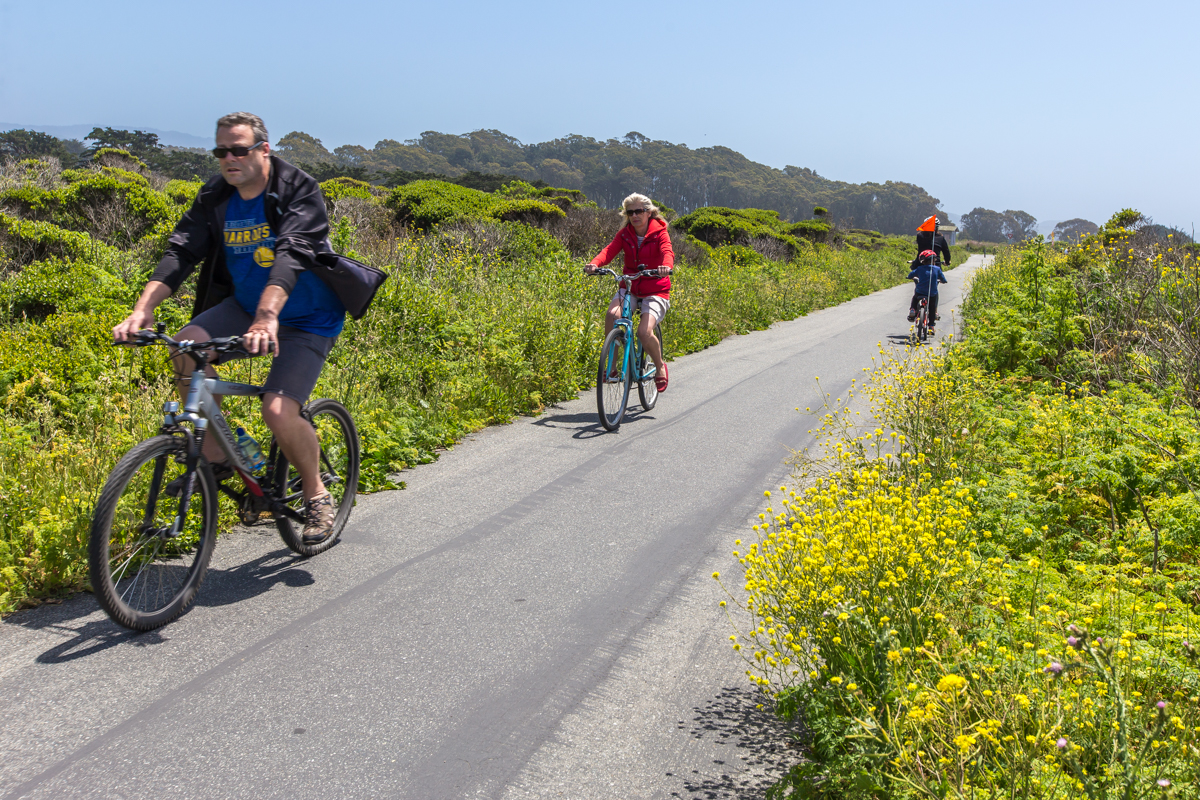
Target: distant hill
{"type": "Point", "coordinates": [681, 177]}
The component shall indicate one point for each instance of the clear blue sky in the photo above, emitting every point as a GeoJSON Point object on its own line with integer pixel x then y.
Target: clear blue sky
{"type": "Point", "coordinates": [1061, 109]}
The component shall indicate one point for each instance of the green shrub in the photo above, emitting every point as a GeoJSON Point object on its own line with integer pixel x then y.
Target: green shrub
{"type": "Point", "coordinates": [527, 211]}
{"type": "Point", "coordinates": [111, 203]}
{"type": "Point", "coordinates": [812, 230]}
{"type": "Point", "coordinates": [427, 204]}
{"type": "Point", "coordinates": [335, 189]}
{"type": "Point", "coordinates": [23, 241]}
{"type": "Point", "coordinates": [182, 193]}
{"type": "Point", "coordinates": [120, 159]}
{"type": "Point", "coordinates": [53, 287]}
{"type": "Point", "coordinates": [719, 227]}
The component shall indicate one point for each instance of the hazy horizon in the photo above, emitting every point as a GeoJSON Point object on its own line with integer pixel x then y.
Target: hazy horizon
{"type": "Point", "coordinates": [1031, 106]}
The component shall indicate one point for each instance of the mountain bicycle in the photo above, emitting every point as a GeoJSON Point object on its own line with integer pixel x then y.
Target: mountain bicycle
{"type": "Point", "coordinates": [155, 523]}
{"type": "Point", "coordinates": [623, 361]}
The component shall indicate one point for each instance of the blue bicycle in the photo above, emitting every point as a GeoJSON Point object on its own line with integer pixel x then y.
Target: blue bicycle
{"type": "Point", "coordinates": [623, 361]}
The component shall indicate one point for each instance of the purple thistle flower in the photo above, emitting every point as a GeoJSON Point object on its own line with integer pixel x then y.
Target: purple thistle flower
{"type": "Point", "coordinates": [1054, 667]}
{"type": "Point", "coordinates": [1162, 704]}
{"type": "Point", "coordinates": [1062, 743]}
{"type": "Point", "coordinates": [1164, 783]}
{"type": "Point", "coordinates": [1073, 642]}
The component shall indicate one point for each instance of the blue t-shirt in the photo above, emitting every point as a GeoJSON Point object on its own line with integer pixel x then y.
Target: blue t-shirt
{"type": "Point", "coordinates": [249, 253]}
{"type": "Point", "coordinates": [928, 277]}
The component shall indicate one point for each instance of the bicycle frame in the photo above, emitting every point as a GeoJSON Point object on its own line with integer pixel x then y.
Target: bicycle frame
{"type": "Point", "coordinates": [202, 411]}
{"type": "Point", "coordinates": [633, 345]}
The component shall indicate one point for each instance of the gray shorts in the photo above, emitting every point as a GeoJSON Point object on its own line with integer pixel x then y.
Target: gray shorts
{"type": "Point", "coordinates": [650, 304]}
{"type": "Point", "coordinates": [302, 355]}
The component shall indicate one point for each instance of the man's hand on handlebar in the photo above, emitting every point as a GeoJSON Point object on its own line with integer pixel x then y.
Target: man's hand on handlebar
{"type": "Point", "coordinates": [136, 321]}
{"type": "Point", "coordinates": [262, 337]}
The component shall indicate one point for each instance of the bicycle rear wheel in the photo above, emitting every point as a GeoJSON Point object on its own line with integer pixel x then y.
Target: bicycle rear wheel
{"type": "Point", "coordinates": [923, 323]}
{"type": "Point", "coordinates": [647, 388]}
{"type": "Point", "coordinates": [144, 573]}
{"type": "Point", "coordinates": [340, 457]}
{"type": "Point", "coordinates": [612, 380]}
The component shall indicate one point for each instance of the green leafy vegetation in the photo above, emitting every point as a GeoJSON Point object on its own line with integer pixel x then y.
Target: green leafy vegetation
{"type": "Point", "coordinates": [990, 589]}
{"type": "Point", "coordinates": [487, 315]}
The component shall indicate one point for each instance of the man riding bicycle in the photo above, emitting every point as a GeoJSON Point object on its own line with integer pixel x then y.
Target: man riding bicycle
{"type": "Point", "coordinates": [928, 238]}
{"type": "Point", "coordinates": [258, 227]}
{"type": "Point", "coordinates": [644, 241]}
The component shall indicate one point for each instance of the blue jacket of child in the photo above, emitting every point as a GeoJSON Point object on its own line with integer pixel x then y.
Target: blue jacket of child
{"type": "Point", "coordinates": [928, 277]}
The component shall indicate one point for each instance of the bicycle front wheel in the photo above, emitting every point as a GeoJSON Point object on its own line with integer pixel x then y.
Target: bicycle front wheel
{"type": "Point", "coordinates": [647, 388]}
{"type": "Point", "coordinates": [340, 458]}
{"type": "Point", "coordinates": [612, 380]}
{"type": "Point", "coordinates": [146, 565]}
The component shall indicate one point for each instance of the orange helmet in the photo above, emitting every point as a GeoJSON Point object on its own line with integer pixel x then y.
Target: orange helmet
{"type": "Point", "coordinates": [930, 224]}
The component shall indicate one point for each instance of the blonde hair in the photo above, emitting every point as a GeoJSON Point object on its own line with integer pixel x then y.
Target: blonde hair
{"type": "Point", "coordinates": [643, 202]}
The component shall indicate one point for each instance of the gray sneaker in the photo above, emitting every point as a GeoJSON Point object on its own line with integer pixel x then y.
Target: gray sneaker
{"type": "Point", "coordinates": [318, 518]}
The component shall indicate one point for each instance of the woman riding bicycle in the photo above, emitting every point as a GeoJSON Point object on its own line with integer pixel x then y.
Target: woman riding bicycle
{"type": "Point", "coordinates": [646, 243]}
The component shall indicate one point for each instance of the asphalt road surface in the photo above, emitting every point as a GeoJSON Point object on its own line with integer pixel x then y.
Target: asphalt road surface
{"type": "Point", "coordinates": [533, 617]}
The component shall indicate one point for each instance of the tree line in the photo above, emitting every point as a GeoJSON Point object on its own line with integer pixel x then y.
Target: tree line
{"type": "Point", "coordinates": [184, 163]}
{"type": "Point", "coordinates": [678, 176]}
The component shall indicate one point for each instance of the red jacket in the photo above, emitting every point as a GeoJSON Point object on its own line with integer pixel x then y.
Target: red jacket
{"type": "Point", "coordinates": [655, 252]}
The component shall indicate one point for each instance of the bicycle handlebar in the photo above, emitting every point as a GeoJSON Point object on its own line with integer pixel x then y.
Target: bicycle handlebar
{"type": "Point", "coordinates": [222, 344]}
{"type": "Point", "coordinates": [653, 273]}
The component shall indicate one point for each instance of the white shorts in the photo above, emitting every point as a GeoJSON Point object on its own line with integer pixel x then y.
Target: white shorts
{"type": "Point", "coordinates": [653, 304]}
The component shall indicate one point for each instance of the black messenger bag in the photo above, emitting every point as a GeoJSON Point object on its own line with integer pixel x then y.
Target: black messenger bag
{"type": "Point", "coordinates": [354, 283]}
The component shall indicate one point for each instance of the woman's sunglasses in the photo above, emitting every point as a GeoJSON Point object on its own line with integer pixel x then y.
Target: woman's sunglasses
{"type": "Point", "coordinates": [633, 212]}
{"type": "Point", "coordinates": [238, 151]}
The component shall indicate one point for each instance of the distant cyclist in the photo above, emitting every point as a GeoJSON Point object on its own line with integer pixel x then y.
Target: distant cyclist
{"type": "Point", "coordinates": [255, 229]}
{"type": "Point", "coordinates": [644, 241]}
{"type": "Point", "coordinates": [928, 274]}
{"type": "Point", "coordinates": [928, 238]}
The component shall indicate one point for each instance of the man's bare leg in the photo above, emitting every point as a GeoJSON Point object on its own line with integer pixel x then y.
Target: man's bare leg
{"type": "Point", "coordinates": [297, 439]}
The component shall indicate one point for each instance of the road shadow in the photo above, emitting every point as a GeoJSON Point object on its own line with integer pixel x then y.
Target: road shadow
{"type": "Point", "coordinates": [221, 587]}
{"type": "Point", "coordinates": [77, 638]}
{"type": "Point", "coordinates": [903, 339]}
{"type": "Point", "coordinates": [763, 747]}
{"type": "Point", "coordinates": [587, 425]}
{"type": "Point", "coordinates": [224, 587]}
{"type": "Point", "coordinates": [94, 637]}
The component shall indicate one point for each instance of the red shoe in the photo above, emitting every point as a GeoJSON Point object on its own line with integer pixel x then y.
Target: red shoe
{"type": "Point", "coordinates": [660, 380]}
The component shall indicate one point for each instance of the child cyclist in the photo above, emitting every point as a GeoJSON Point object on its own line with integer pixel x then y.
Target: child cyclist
{"type": "Point", "coordinates": [927, 272]}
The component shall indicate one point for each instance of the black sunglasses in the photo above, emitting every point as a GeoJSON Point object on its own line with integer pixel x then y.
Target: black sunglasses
{"type": "Point", "coordinates": [635, 211]}
{"type": "Point", "coordinates": [238, 151]}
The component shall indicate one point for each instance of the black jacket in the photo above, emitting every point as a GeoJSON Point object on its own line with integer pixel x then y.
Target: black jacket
{"type": "Point", "coordinates": [927, 240]}
{"type": "Point", "coordinates": [295, 210]}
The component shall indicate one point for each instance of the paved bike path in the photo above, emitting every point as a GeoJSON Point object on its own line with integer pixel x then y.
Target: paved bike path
{"type": "Point", "coordinates": [533, 617]}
